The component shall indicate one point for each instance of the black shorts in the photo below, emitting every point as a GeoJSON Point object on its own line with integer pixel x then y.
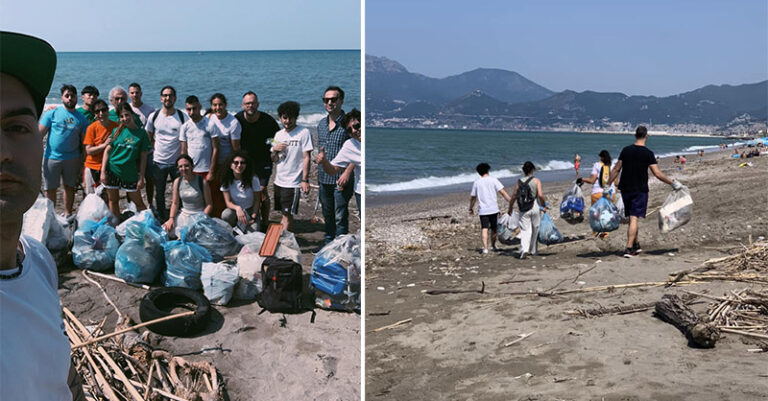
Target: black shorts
{"type": "Point", "coordinates": [635, 203]}
{"type": "Point", "coordinates": [489, 221]}
{"type": "Point", "coordinates": [287, 200]}
{"type": "Point", "coordinates": [96, 176]}
{"type": "Point", "coordinates": [114, 182]}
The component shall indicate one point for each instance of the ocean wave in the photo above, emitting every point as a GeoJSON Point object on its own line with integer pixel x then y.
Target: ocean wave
{"type": "Point", "coordinates": [432, 181]}
{"type": "Point", "coordinates": [310, 120]}
{"type": "Point", "coordinates": [555, 165]}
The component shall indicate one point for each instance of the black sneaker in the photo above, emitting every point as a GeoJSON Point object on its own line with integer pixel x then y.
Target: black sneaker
{"type": "Point", "coordinates": [630, 253]}
{"type": "Point", "coordinates": [636, 247]}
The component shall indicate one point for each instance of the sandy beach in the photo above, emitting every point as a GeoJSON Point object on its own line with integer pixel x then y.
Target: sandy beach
{"type": "Point", "coordinates": [511, 343]}
{"type": "Point", "coordinates": [272, 356]}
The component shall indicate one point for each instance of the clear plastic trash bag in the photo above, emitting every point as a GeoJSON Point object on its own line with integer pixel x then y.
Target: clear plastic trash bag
{"type": "Point", "coordinates": [141, 258]}
{"type": "Point", "coordinates": [138, 217]}
{"type": "Point", "coordinates": [95, 246]}
{"type": "Point", "coordinates": [37, 220]}
{"type": "Point", "coordinates": [93, 208]}
{"type": "Point", "coordinates": [508, 227]}
{"type": "Point", "coordinates": [604, 216]}
{"type": "Point", "coordinates": [676, 210]}
{"type": "Point", "coordinates": [213, 234]}
{"type": "Point", "coordinates": [336, 274]}
{"type": "Point", "coordinates": [184, 262]}
{"type": "Point", "coordinates": [619, 202]}
{"type": "Point", "coordinates": [548, 233]}
{"type": "Point", "coordinates": [572, 205]}
{"type": "Point", "coordinates": [219, 280]}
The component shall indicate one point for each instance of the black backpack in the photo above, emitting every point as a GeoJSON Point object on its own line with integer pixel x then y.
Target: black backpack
{"type": "Point", "coordinates": [158, 111]}
{"type": "Point", "coordinates": [525, 196]}
{"type": "Point", "coordinates": [282, 286]}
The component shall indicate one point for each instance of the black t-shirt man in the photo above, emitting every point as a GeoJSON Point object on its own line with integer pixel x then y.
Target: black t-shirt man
{"type": "Point", "coordinates": [635, 161]}
{"type": "Point", "coordinates": [254, 137]}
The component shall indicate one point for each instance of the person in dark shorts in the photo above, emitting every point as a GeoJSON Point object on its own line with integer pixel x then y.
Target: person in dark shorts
{"type": "Point", "coordinates": [484, 193]}
{"type": "Point", "coordinates": [633, 164]}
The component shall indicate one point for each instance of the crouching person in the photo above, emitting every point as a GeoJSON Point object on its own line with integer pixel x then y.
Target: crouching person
{"type": "Point", "coordinates": [191, 195]}
{"type": "Point", "coordinates": [242, 193]}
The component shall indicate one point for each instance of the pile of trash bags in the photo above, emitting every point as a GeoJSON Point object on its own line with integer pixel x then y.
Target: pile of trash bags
{"type": "Point", "coordinates": [140, 258]}
{"type": "Point", "coordinates": [95, 245]}
{"type": "Point", "coordinates": [336, 274]}
{"type": "Point", "coordinates": [249, 261]}
{"type": "Point", "coordinates": [215, 235]}
{"type": "Point", "coordinates": [604, 216]}
{"type": "Point", "coordinates": [184, 263]}
{"type": "Point", "coordinates": [548, 233]}
{"type": "Point", "coordinates": [508, 227]}
{"type": "Point", "coordinates": [676, 210]}
{"type": "Point", "coordinates": [572, 205]}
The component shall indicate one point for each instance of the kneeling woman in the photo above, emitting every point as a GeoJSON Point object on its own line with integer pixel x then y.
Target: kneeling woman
{"type": "Point", "coordinates": [191, 195]}
{"type": "Point", "coordinates": [241, 191]}
{"type": "Point", "coordinates": [124, 160]}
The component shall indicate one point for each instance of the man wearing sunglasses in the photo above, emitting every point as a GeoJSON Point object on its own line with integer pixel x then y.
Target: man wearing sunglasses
{"type": "Point", "coordinates": [335, 189]}
{"type": "Point", "coordinates": [349, 155]}
{"type": "Point", "coordinates": [97, 138]}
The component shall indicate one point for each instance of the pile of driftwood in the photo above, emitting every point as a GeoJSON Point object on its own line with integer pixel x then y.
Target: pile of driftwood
{"type": "Point", "coordinates": [124, 367]}
{"type": "Point", "coordinates": [742, 312]}
{"type": "Point", "coordinates": [750, 265]}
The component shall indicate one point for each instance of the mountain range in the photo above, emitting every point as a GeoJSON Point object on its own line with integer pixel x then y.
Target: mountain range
{"type": "Point", "coordinates": [494, 97]}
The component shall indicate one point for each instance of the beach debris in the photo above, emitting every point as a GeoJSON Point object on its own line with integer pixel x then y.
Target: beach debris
{"type": "Point", "coordinates": [676, 210]}
{"type": "Point", "coordinates": [608, 288]}
{"type": "Point", "coordinates": [440, 291]}
{"type": "Point", "coordinates": [700, 333]}
{"type": "Point", "coordinates": [380, 288]}
{"type": "Point", "coordinates": [378, 313]}
{"type": "Point", "coordinates": [393, 325]}
{"type": "Point", "coordinates": [742, 312]}
{"type": "Point", "coordinates": [624, 309]}
{"type": "Point", "coordinates": [521, 337]}
{"type": "Point", "coordinates": [749, 265]}
{"type": "Point", "coordinates": [525, 376]}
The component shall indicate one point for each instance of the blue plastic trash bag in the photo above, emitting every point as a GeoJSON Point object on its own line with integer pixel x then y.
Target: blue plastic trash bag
{"type": "Point", "coordinates": [572, 205]}
{"type": "Point", "coordinates": [336, 274]}
{"type": "Point", "coordinates": [184, 261]}
{"type": "Point", "coordinates": [95, 246]}
{"type": "Point", "coordinates": [548, 233]}
{"type": "Point", "coordinates": [219, 281]}
{"type": "Point", "coordinates": [215, 235]}
{"type": "Point", "coordinates": [140, 259]}
{"type": "Point", "coordinates": [604, 216]}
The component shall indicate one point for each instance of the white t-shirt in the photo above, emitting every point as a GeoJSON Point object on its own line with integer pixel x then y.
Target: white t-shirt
{"type": "Point", "coordinates": [288, 170]}
{"type": "Point", "coordinates": [229, 130]}
{"type": "Point", "coordinates": [596, 172]}
{"type": "Point", "coordinates": [143, 112]}
{"type": "Point", "coordinates": [240, 195]}
{"type": "Point", "coordinates": [34, 347]}
{"type": "Point", "coordinates": [166, 132]}
{"type": "Point", "coordinates": [350, 153]}
{"type": "Point", "coordinates": [485, 190]}
{"type": "Point", "coordinates": [198, 136]}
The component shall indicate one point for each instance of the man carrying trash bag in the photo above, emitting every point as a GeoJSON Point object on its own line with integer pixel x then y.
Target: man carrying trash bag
{"type": "Point", "coordinates": [633, 164]}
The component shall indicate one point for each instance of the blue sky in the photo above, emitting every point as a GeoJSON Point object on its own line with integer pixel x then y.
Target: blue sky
{"type": "Point", "coordinates": [151, 25]}
{"type": "Point", "coordinates": [638, 48]}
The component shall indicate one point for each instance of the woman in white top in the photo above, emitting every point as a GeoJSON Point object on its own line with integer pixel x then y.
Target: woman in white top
{"type": "Point", "coordinates": [531, 219]}
{"type": "Point", "coordinates": [191, 195]}
{"type": "Point", "coordinates": [349, 155]}
{"type": "Point", "coordinates": [600, 172]}
{"type": "Point", "coordinates": [229, 140]}
{"type": "Point", "coordinates": [242, 193]}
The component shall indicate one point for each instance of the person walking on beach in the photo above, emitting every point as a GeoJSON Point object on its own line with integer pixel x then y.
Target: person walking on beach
{"type": "Point", "coordinates": [349, 153]}
{"type": "Point", "coordinates": [199, 139]}
{"type": "Point", "coordinates": [63, 158]}
{"type": "Point", "coordinates": [139, 107]}
{"type": "Point", "coordinates": [89, 94]}
{"type": "Point", "coordinates": [601, 172]}
{"type": "Point", "coordinates": [97, 138]}
{"type": "Point", "coordinates": [633, 164]}
{"type": "Point", "coordinates": [530, 199]}
{"type": "Point", "coordinates": [257, 129]}
{"type": "Point", "coordinates": [163, 127]}
{"type": "Point", "coordinates": [35, 360]}
{"type": "Point", "coordinates": [335, 189]}
{"type": "Point", "coordinates": [484, 192]}
{"type": "Point", "coordinates": [229, 141]}
{"type": "Point", "coordinates": [292, 156]}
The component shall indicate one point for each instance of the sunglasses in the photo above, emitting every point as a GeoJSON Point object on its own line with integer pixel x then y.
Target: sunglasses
{"type": "Point", "coordinates": [353, 127]}
{"type": "Point", "coordinates": [330, 99]}
{"type": "Point", "coordinates": [97, 111]}
{"type": "Point", "coordinates": [238, 163]}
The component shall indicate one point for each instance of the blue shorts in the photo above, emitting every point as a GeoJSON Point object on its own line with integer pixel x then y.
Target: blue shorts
{"type": "Point", "coordinates": [635, 203]}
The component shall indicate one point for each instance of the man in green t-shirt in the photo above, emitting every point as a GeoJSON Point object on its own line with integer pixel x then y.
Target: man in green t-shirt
{"type": "Point", "coordinates": [89, 94]}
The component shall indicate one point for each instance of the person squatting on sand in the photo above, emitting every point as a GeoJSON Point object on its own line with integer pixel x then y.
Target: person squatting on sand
{"type": "Point", "coordinates": [191, 195]}
{"type": "Point", "coordinates": [292, 156]}
{"type": "Point", "coordinates": [241, 190]}
{"type": "Point", "coordinates": [601, 172]}
{"type": "Point", "coordinates": [484, 192]}
{"type": "Point", "coordinates": [633, 164]}
{"type": "Point", "coordinates": [349, 155]}
{"type": "Point", "coordinates": [35, 363]}
{"type": "Point", "coordinates": [335, 189]}
{"type": "Point", "coordinates": [257, 129]}
{"type": "Point", "coordinates": [124, 160]}
{"type": "Point", "coordinates": [63, 158]}
{"type": "Point", "coordinates": [530, 216]}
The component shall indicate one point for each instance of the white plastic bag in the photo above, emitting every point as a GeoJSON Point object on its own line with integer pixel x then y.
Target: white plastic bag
{"type": "Point", "coordinates": [676, 210]}
{"type": "Point", "coordinates": [93, 208]}
{"type": "Point", "coordinates": [508, 227]}
{"type": "Point", "coordinates": [219, 281]}
{"type": "Point", "coordinates": [60, 235]}
{"type": "Point", "coordinates": [37, 220]}
{"type": "Point", "coordinates": [619, 202]}
{"type": "Point", "coordinates": [141, 216]}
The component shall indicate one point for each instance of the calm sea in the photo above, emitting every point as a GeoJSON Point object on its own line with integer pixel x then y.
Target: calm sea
{"type": "Point", "coordinates": [420, 161]}
{"type": "Point", "coordinates": [275, 76]}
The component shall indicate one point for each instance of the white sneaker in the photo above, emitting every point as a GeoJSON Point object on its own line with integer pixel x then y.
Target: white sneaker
{"type": "Point", "coordinates": [485, 252]}
{"type": "Point", "coordinates": [522, 255]}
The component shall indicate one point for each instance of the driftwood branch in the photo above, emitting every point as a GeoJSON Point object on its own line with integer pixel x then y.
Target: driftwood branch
{"type": "Point", "coordinates": [393, 325]}
{"type": "Point", "coordinates": [452, 291]}
{"type": "Point", "coordinates": [672, 309]}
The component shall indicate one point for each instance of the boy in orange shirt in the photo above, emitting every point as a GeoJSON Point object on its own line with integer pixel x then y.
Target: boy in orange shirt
{"type": "Point", "coordinates": [97, 137]}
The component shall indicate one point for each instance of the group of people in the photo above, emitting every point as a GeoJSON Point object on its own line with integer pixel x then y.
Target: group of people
{"type": "Point", "coordinates": [218, 163]}
{"type": "Point", "coordinates": [629, 174]}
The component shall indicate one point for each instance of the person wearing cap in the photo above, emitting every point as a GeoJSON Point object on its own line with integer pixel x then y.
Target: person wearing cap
{"type": "Point", "coordinates": [63, 158]}
{"type": "Point", "coordinates": [35, 363]}
{"type": "Point", "coordinates": [89, 94]}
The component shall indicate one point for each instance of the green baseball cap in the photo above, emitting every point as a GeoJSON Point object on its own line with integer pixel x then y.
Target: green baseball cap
{"type": "Point", "coordinates": [31, 60]}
